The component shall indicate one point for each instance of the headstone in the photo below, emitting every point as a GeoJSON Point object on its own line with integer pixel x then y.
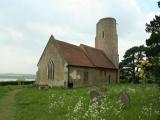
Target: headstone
{"type": "Point", "coordinates": [95, 97]}
{"type": "Point", "coordinates": [124, 99]}
{"type": "Point", "coordinates": [103, 91]}
{"type": "Point", "coordinates": [94, 94]}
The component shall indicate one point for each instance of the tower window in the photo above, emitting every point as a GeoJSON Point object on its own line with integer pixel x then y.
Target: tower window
{"type": "Point", "coordinates": [50, 70]}
{"type": "Point", "coordinates": [103, 34]}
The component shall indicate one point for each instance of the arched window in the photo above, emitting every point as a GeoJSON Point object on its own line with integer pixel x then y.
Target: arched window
{"type": "Point", "coordinates": [103, 34]}
{"type": "Point", "coordinates": [51, 70]}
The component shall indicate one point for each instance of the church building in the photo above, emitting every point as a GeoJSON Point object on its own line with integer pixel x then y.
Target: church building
{"type": "Point", "coordinates": [68, 65]}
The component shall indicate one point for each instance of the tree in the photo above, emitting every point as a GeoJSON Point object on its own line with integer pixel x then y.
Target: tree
{"type": "Point", "coordinates": [153, 46]}
{"type": "Point", "coordinates": [128, 66]}
{"type": "Point", "coordinates": [144, 72]}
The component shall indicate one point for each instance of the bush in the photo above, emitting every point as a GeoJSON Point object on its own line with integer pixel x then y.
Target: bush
{"type": "Point", "coordinates": [5, 83]}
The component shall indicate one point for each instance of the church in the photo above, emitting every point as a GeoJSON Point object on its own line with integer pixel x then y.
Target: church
{"type": "Point", "coordinates": [68, 65]}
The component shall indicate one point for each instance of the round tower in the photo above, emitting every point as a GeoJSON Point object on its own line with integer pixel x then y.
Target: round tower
{"type": "Point", "coordinates": [107, 40]}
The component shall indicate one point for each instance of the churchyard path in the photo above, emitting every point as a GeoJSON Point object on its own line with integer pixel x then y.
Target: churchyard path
{"type": "Point", "coordinates": [7, 104]}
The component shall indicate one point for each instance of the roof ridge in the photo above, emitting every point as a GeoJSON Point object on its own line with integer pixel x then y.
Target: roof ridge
{"type": "Point", "coordinates": [90, 47]}
{"type": "Point", "coordinates": [85, 52]}
{"type": "Point", "coordinates": [107, 58]}
{"type": "Point", "coordinates": [82, 55]}
{"type": "Point", "coordinates": [74, 48]}
{"type": "Point", "coordinates": [86, 45]}
{"type": "Point", "coordinates": [100, 51]}
{"type": "Point", "coordinates": [86, 48]}
{"type": "Point", "coordinates": [67, 43]}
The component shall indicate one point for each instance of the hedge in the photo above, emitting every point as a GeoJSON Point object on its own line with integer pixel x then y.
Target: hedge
{"type": "Point", "coordinates": [4, 83]}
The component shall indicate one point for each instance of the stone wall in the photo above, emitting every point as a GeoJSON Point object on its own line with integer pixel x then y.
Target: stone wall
{"type": "Point", "coordinates": [81, 76]}
{"type": "Point", "coordinates": [60, 67]}
{"type": "Point", "coordinates": [64, 74]}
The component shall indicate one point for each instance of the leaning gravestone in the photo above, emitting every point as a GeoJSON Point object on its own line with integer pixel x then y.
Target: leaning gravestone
{"type": "Point", "coordinates": [124, 99]}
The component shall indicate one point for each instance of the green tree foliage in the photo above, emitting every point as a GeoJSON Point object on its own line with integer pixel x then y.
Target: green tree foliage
{"type": "Point", "coordinates": [128, 66]}
{"type": "Point", "coordinates": [153, 46]}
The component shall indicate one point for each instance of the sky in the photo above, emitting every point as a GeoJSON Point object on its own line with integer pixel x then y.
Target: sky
{"type": "Point", "coordinates": [26, 25]}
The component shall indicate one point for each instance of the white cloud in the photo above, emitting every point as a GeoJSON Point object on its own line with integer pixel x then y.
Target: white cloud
{"type": "Point", "coordinates": [62, 32]}
{"type": "Point", "coordinates": [151, 15]}
{"type": "Point", "coordinates": [26, 26]}
{"type": "Point", "coordinates": [17, 60]}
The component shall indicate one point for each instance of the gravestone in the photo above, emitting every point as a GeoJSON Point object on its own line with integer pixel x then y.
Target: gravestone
{"type": "Point", "coordinates": [94, 94]}
{"type": "Point", "coordinates": [103, 91]}
{"type": "Point", "coordinates": [124, 98]}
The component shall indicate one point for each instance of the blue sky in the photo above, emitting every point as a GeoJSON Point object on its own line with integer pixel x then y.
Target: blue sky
{"type": "Point", "coordinates": [26, 25]}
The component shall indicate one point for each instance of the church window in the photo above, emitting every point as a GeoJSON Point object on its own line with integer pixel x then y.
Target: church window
{"type": "Point", "coordinates": [51, 70]}
{"type": "Point", "coordinates": [103, 34]}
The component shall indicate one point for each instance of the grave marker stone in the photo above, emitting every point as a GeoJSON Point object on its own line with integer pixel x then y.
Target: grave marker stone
{"type": "Point", "coordinates": [94, 94]}
{"type": "Point", "coordinates": [124, 98]}
{"type": "Point", "coordinates": [103, 91]}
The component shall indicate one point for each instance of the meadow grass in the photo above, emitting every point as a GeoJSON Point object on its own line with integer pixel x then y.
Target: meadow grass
{"type": "Point", "coordinates": [63, 103]}
{"type": "Point", "coordinates": [70, 104]}
{"type": "Point", "coordinates": [4, 90]}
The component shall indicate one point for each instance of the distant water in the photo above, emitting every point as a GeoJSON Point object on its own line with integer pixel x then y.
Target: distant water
{"type": "Point", "coordinates": [13, 79]}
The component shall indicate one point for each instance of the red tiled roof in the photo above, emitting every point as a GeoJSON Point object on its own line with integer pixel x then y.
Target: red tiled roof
{"type": "Point", "coordinates": [74, 54]}
{"type": "Point", "coordinates": [97, 57]}
{"type": "Point", "coordinates": [84, 55]}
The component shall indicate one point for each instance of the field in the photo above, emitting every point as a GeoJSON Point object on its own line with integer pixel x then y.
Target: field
{"type": "Point", "coordinates": [75, 104]}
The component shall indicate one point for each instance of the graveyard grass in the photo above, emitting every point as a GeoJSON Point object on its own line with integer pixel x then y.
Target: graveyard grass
{"type": "Point", "coordinates": [74, 104]}
{"type": "Point", "coordinates": [4, 91]}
